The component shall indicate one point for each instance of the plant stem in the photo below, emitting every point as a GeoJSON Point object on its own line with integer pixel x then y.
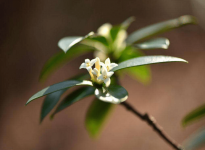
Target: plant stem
{"type": "Point", "coordinates": [151, 122]}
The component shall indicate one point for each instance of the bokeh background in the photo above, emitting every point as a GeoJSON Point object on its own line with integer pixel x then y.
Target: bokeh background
{"type": "Point", "coordinates": [29, 32]}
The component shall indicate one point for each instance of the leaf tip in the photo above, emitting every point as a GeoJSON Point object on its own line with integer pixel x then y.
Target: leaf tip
{"type": "Point", "coordinates": [185, 61]}
{"type": "Point", "coordinates": [27, 103]}
{"type": "Point", "coordinates": [41, 120]}
{"type": "Point", "coordinates": [183, 123]}
{"type": "Point", "coordinates": [52, 116]}
{"type": "Point", "coordinates": [188, 19]}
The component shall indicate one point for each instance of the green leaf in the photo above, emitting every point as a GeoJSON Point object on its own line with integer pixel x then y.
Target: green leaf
{"type": "Point", "coordinates": [196, 141]}
{"type": "Point", "coordinates": [114, 94]}
{"type": "Point", "coordinates": [194, 115]}
{"type": "Point", "coordinates": [125, 24]}
{"type": "Point", "coordinates": [52, 99]}
{"type": "Point", "coordinates": [146, 60]}
{"type": "Point", "coordinates": [61, 58]}
{"type": "Point", "coordinates": [156, 43]}
{"type": "Point", "coordinates": [57, 87]}
{"type": "Point", "coordinates": [158, 28]}
{"type": "Point", "coordinates": [140, 73]}
{"type": "Point", "coordinates": [97, 116]}
{"type": "Point", "coordinates": [94, 39]}
{"type": "Point", "coordinates": [67, 42]}
{"type": "Point", "coordinates": [74, 97]}
{"type": "Point", "coordinates": [114, 32]}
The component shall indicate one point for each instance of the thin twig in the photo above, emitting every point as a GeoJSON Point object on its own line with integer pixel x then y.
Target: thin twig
{"type": "Point", "coordinates": [151, 122]}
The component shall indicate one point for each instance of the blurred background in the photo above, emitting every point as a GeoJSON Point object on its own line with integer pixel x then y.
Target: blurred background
{"type": "Point", "coordinates": [29, 32]}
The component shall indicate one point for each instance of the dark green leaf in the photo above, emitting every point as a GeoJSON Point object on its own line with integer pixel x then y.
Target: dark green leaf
{"type": "Point", "coordinates": [67, 42]}
{"type": "Point", "coordinates": [57, 87]}
{"type": "Point", "coordinates": [94, 39]}
{"type": "Point", "coordinates": [114, 94]}
{"type": "Point", "coordinates": [194, 115]}
{"type": "Point", "coordinates": [158, 28]}
{"type": "Point", "coordinates": [52, 99]}
{"type": "Point", "coordinates": [125, 24]}
{"type": "Point", "coordinates": [61, 58]}
{"type": "Point", "coordinates": [74, 97]}
{"type": "Point", "coordinates": [156, 43]}
{"type": "Point", "coordinates": [114, 32]}
{"type": "Point", "coordinates": [196, 141]}
{"type": "Point", "coordinates": [140, 73]}
{"type": "Point", "coordinates": [146, 60]}
{"type": "Point", "coordinates": [96, 116]}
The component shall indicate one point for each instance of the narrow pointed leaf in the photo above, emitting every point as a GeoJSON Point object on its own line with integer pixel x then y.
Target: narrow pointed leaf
{"type": "Point", "coordinates": [125, 24]}
{"type": "Point", "coordinates": [196, 141]}
{"type": "Point", "coordinates": [67, 42]}
{"type": "Point", "coordinates": [158, 28]}
{"type": "Point", "coordinates": [115, 94]}
{"type": "Point", "coordinates": [96, 117]}
{"type": "Point", "coordinates": [146, 60]}
{"type": "Point", "coordinates": [74, 97]}
{"type": "Point", "coordinates": [52, 99]}
{"type": "Point", "coordinates": [57, 87]}
{"type": "Point", "coordinates": [157, 43]}
{"type": "Point", "coordinates": [194, 115]}
{"type": "Point", "coordinates": [140, 73]}
{"type": "Point", "coordinates": [94, 39]}
{"type": "Point", "coordinates": [61, 58]}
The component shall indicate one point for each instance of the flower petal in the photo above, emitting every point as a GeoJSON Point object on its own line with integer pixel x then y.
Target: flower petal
{"type": "Point", "coordinates": [107, 61]}
{"type": "Point", "coordinates": [102, 64]}
{"type": "Point", "coordinates": [100, 77]}
{"type": "Point", "coordinates": [95, 71]}
{"type": "Point", "coordinates": [107, 82]}
{"type": "Point", "coordinates": [113, 65]}
{"type": "Point", "coordinates": [93, 61]}
{"type": "Point", "coordinates": [89, 69]}
{"type": "Point", "coordinates": [87, 60]}
{"type": "Point", "coordinates": [109, 74]}
{"type": "Point", "coordinates": [104, 71]}
{"type": "Point", "coordinates": [83, 65]}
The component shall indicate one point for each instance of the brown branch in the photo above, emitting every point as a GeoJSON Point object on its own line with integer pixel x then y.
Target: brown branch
{"type": "Point", "coordinates": [151, 122]}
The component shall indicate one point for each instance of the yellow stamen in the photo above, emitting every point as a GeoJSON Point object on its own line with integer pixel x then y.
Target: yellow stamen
{"type": "Point", "coordinates": [91, 74]}
{"type": "Point", "coordinates": [97, 66]}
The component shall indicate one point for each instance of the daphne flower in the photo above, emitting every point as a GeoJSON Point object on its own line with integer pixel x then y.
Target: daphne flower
{"type": "Point", "coordinates": [95, 73]}
{"type": "Point", "coordinates": [109, 65]}
{"type": "Point", "coordinates": [88, 64]}
{"type": "Point", "coordinates": [96, 70]}
{"type": "Point", "coordinates": [105, 76]}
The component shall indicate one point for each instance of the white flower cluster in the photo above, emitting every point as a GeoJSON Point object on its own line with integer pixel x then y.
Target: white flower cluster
{"type": "Point", "coordinates": [101, 73]}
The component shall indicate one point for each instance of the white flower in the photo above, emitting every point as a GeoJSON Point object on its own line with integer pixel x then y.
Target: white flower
{"type": "Point", "coordinates": [88, 64]}
{"type": "Point", "coordinates": [109, 65]}
{"type": "Point", "coordinates": [95, 72]}
{"type": "Point", "coordinates": [104, 30]}
{"type": "Point", "coordinates": [105, 76]}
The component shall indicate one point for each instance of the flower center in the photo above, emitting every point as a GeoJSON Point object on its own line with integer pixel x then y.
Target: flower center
{"type": "Point", "coordinates": [87, 64]}
{"type": "Point", "coordinates": [105, 77]}
{"type": "Point", "coordinates": [108, 68]}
